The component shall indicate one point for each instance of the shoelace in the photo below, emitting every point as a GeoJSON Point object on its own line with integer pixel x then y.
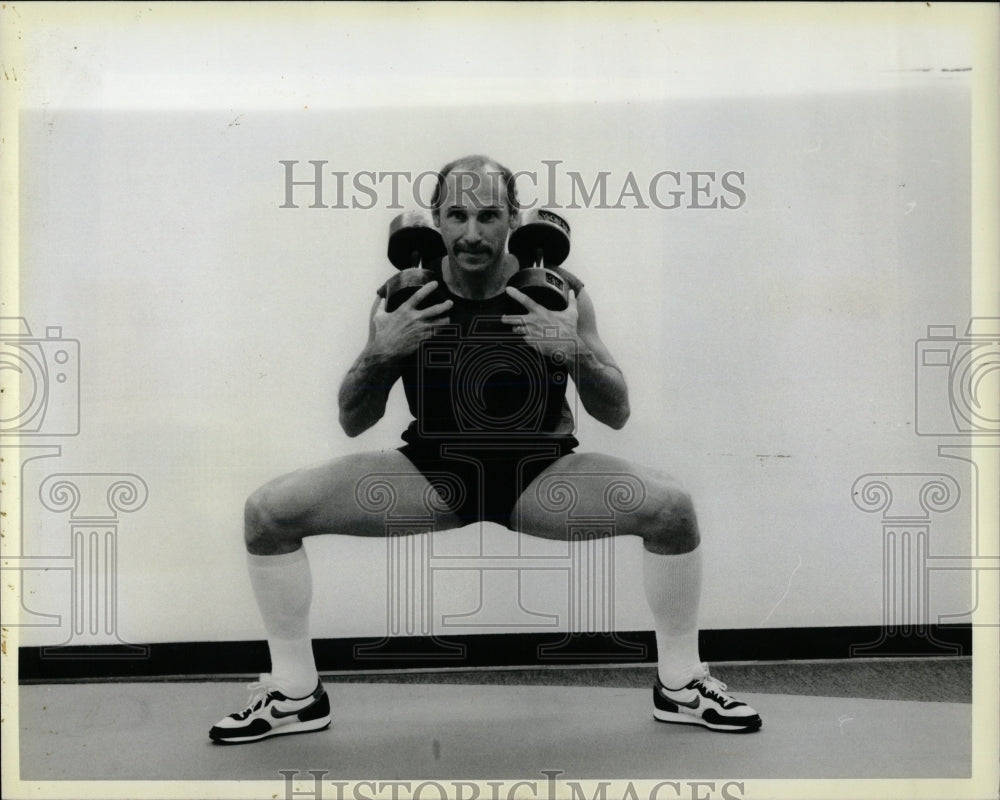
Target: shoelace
{"type": "Point", "coordinates": [261, 690]}
{"type": "Point", "coordinates": [715, 688]}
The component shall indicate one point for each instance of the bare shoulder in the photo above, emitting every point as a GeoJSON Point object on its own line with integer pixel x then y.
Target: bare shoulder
{"type": "Point", "coordinates": [586, 313]}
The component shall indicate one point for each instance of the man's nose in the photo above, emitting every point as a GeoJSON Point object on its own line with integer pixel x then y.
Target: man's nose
{"type": "Point", "coordinates": [472, 232]}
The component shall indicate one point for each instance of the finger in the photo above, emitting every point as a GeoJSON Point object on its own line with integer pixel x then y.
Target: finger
{"type": "Point", "coordinates": [523, 299]}
{"type": "Point", "coordinates": [433, 311]}
{"type": "Point", "coordinates": [572, 298]}
{"type": "Point", "coordinates": [511, 319]}
{"type": "Point", "coordinates": [414, 299]}
{"type": "Point", "coordinates": [428, 329]}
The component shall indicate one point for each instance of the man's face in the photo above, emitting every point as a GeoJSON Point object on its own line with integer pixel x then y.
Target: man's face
{"type": "Point", "coordinates": [474, 219]}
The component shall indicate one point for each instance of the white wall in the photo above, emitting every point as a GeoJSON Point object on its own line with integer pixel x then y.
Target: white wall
{"type": "Point", "coordinates": [769, 349]}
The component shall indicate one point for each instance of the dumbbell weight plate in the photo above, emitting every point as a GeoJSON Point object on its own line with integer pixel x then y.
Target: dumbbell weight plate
{"type": "Point", "coordinates": [544, 286]}
{"type": "Point", "coordinates": [404, 283]}
{"type": "Point", "coordinates": [414, 232]}
{"type": "Point", "coordinates": [416, 249]}
{"type": "Point", "coordinates": [540, 230]}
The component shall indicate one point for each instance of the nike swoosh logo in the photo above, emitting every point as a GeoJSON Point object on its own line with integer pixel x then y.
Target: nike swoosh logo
{"type": "Point", "coordinates": [282, 714]}
{"type": "Point", "coordinates": [687, 704]}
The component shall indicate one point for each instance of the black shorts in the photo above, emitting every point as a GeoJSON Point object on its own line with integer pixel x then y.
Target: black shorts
{"type": "Point", "coordinates": [482, 482]}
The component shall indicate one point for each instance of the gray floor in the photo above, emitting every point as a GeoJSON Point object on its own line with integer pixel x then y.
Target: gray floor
{"type": "Point", "coordinates": [394, 730]}
{"type": "Point", "coordinates": [931, 679]}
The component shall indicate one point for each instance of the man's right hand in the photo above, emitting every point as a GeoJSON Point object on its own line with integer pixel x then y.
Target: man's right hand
{"type": "Point", "coordinates": [399, 333]}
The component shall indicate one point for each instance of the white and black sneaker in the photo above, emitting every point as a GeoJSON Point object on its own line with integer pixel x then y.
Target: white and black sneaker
{"type": "Point", "coordinates": [704, 702]}
{"type": "Point", "coordinates": [271, 713]}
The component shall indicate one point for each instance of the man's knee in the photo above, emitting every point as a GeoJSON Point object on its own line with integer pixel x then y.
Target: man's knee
{"type": "Point", "coordinates": [269, 522]}
{"type": "Point", "coordinates": [670, 525]}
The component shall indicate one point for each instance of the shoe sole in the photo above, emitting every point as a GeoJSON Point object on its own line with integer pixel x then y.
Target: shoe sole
{"type": "Point", "coordinates": [675, 718]}
{"type": "Point", "coordinates": [309, 726]}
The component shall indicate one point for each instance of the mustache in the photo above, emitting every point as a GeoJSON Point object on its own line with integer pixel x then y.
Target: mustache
{"type": "Point", "coordinates": [473, 250]}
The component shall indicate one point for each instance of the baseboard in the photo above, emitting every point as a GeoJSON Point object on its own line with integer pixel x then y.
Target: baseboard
{"type": "Point", "coordinates": [38, 664]}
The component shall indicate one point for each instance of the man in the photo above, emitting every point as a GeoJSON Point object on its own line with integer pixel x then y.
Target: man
{"type": "Point", "coordinates": [496, 435]}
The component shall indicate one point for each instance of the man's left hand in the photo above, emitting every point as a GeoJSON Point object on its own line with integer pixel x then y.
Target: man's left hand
{"type": "Point", "coordinates": [548, 331]}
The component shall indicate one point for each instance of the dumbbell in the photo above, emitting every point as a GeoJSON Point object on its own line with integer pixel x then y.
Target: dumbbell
{"type": "Point", "coordinates": [541, 240]}
{"type": "Point", "coordinates": [414, 245]}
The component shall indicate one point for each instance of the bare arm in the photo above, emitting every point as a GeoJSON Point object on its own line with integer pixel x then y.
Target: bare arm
{"type": "Point", "coordinates": [365, 388]}
{"type": "Point", "coordinates": [391, 337]}
{"type": "Point", "coordinates": [599, 379]}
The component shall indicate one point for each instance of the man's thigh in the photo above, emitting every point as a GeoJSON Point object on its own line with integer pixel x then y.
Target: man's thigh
{"type": "Point", "coordinates": [592, 494]}
{"type": "Point", "coordinates": [374, 493]}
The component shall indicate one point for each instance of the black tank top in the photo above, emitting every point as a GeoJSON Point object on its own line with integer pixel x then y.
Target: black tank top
{"type": "Point", "coordinates": [475, 380]}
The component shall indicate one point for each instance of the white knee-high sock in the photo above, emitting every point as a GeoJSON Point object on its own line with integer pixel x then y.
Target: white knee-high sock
{"type": "Point", "coordinates": [673, 590]}
{"type": "Point", "coordinates": [282, 585]}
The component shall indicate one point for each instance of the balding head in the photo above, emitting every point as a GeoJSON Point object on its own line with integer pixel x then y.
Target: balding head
{"type": "Point", "coordinates": [469, 172]}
